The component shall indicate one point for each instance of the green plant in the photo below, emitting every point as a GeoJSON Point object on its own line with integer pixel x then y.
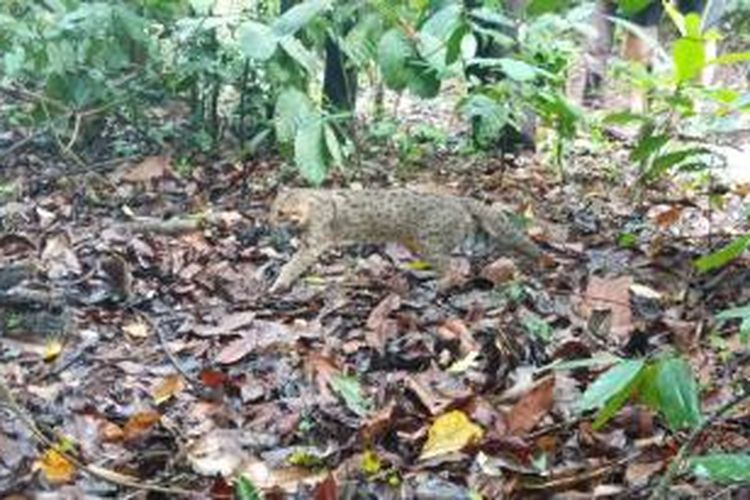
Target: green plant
{"type": "Point", "coordinates": [665, 384]}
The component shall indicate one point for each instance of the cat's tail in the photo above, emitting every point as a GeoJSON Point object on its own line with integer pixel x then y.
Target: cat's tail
{"type": "Point", "coordinates": [507, 234]}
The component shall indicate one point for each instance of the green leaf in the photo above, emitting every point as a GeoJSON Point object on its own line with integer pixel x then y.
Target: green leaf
{"type": "Point", "coordinates": [202, 7]}
{"type": "Point", "coordinates": [723, 256]}
{"type": "Point", "coordinates": [309, 153]}
{"type": "Point", "coordinates": [423, 81]}
{"type": "Point", "coordinates": [648, 146]}
{"type": "Point", "coordinates": [302, 56]}
{"type": "Point", "coordinates": [612, 383]}
{"type": "Point", "coordinates": [293, 108]}
{"type": "Point", "coordinates": [297, 17]}
{"type": "Point", "coordinates": [666, 161]}
{"type": "Point", "coordinates": [394, 50]}
{"type": "Point", "coordinates": [677, 390]}
{"type": "Point", "coordinates": [257, 41]}
{"type": "Point", "coordinates": [630, 7]}
{"type": "Point", "coordinates": [333, 146]}
{"type": "Point", "coordinates": [689, 57]}
{"type": "Point", "coordinates": [624, 118]}
{"type": "Point", "coordinates": [693, 25]}
{"type": "Point", "coordinates": [538, 7]}
{"type": "Point", "coordinates": [444, 22]}
{"type": "Point", "coordinates": [244, 489]}
{"type": "Point", "coordinates": [487, 114]}
{"type": "Point", "coordinates": [724, 468]}
{"type": "Point", "coordinates": [741, 313]}
{"type": "Point", "coordinates": [351, 392]}
{"type": "Point", "coordinates": [518, 70]}
{"type": "Point", "coordinates": [731, 58]}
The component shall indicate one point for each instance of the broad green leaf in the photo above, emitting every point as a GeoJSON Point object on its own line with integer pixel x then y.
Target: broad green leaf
{"type": "Point", "coordinates": [518, 70]}
{"type": "Point", "coordinates": [612, 383]}
{"type": "Point", "coordinates": [360, 43]}
{"type": "Point", "coordinates": [631, 7]}
{"type": "Point", "coordinates": [723, 468]}
{"type": "Point", "coordinates": [423, 81]}
{"type": "Point", "coordinates": [257, 41]}
{"type": "Point", "coordinates": [297, 17]}
{"type": "Point", "coordinates": [302, 56]}
{"type": "Point", "coordinates": [309, 151]}
{"type": "Point", "coordinates": [394, 50]}
{"type": "Point", "coordinates": [613, 405]}
{"type": "Point", "coordinates": [723, 256]}
{"type": "Point", "coordinates": [666, 161]}
{"type": "Point", "coordinates": [244, 489]}
{"type": "Point", "coordinates": [333, 146]}
{"type": "Point", "coordinates": [293, 108]}
{"type": "Point", "coordinates": [678, 393]}
{"type": "Point", "coordinates": [450, 432]}
{"type": "Point", "coordinates": [689, 57]}
{"type": "Point", "coordinates": [351, 392]}
{"type": "Point", "coordinates": [488, 116]}
{"type": "Point", "coordinates": [734, 313]}
{"type": "Point", "coordinates": [444, 22]}
{"type": "Point", "coordinates": [648, 146]}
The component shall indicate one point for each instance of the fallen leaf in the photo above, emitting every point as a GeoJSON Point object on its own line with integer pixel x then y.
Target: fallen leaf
{"type": "Point", "coordinates": [52, 349]}
{"type": "Point", "coordinates": [668, 216]}
{"type": "Point", "coordinates": [500, 271]}
{"type": "Point", "coordinates": [610, 294]}
{"type": "Point", "coordinates": [382, 311]}
{"type": "Point", "coordinates": [262, 335]}
{"type": "Point", "coordinates": [450, 432]}
{"type": "Point", "coordinates": [55, 467]}
{"type": "Point", "coordinates": [167, 388]}
{"type": "Point", "coordinates": [532, 407]}
{"type": "Point", "coordinates": [136, 329]}
{"type": "Point", "coordinates": [140, 424]}
{"type": "Point", "coordinates": [227, 325]}
{"type": "Point", "coordinates": [151, 168]}
{"type": "Point", "coordinates": [59, 258]}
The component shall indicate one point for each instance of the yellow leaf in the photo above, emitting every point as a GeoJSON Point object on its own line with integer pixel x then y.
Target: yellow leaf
{"type": "Point", "coordinates": [371, 464]}
{"type": "Point", "coordinates": [52, 349]}
{"type": "Point", "coordinates": [449, 433]}
{"type": "Point", "coordinates": [418, 265]}
{"type": "Point", "coordinates": [168, 387]}
{"type": "Point", "coordinates": [55, 467]}
{"type": "Point", "coordinates": [136, 329]}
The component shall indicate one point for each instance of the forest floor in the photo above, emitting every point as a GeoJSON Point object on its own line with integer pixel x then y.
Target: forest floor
{"type": "Point", "coordinates": [157, 350]}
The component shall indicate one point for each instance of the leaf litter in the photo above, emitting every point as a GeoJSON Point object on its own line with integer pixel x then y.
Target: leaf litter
{"type": "Point", "coordinates": [365, 376]}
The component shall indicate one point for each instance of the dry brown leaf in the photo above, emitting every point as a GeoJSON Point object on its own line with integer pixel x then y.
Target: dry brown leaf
{"type": "Point", "coordinates": [382, 311]}
{"type": "Point", "coordinates": [167, 388]}
{"type": "Point", "coordinates": [668, 217]}
{"type": "Point", "coordinates": [59, 258]}
{"type": "Point", "coordinates": [532, 407]}
{"type": "Point", "coordinates": [262, 335]}
{"type": "Point", "coordinates": [610, 294]}
{"type": "Point", "coordinates": [227, 325]}
{"type": "Point", "coordinates": [140, 424]}
{"type": "Point", "coordinates": [151, 168]}
{"type": "Point", "coordinates": [500, 271]}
